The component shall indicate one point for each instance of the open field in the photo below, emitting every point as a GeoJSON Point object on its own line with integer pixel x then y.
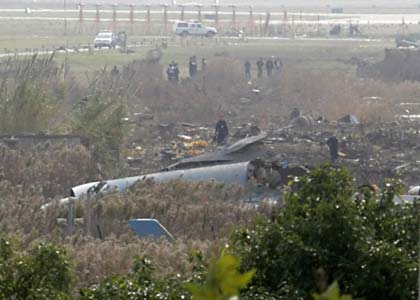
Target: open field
{"type": "Point", "coordinates": [312, 53]}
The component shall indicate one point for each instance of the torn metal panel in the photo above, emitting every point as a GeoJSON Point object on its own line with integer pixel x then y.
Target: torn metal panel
{"type": "Point", "coordinates": [243, 143]}
{"type": "Point", "coordinates": [150, 228]}
{"type": "Point", "coordinates": [246, 149]}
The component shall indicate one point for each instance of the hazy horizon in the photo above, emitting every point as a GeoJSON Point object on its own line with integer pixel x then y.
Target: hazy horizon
{"type": "Point", "coordinates": [309, 3]}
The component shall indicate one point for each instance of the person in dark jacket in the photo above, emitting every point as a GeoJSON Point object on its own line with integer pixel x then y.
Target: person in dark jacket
{"type": "Point", "coordinates": [260, 67]}
{"type": "Point", "coordinates": [332, 144]}
{"type": "Point", "coordinates": [193, 66]}
{"type": "Point", "coordinates": [173, 72]}
{"type": "Point", "coordinates": [295, 113]}
{"type": "Point", "coordinates": [221, 132]}
{"type": "Point", "coordinates": [269, 65]}
{"type": "Point", "coordinates": [248, 70]}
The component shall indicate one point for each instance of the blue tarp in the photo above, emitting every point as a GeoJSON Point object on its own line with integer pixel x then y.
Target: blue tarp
{"type": "Point", "coordinates": [149, 228]}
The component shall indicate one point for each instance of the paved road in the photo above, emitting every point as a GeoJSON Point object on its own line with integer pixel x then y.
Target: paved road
{"type": "Point", "coordinates": [307, 18]}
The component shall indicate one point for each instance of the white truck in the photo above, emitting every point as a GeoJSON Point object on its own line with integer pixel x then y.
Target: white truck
{"type": "Point", "coordinates": [184, 29]}
{"type": "Point", "coordinates": [106, 39]}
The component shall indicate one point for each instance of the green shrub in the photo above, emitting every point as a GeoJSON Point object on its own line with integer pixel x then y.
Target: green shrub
{"type": "Point", "coordinates": [42, 274]}
{"type": "Point", "coordinates": [324, 234]}
{"type": "Point", "coordinates": [140, 284]}
{"type": "Point", "coordinates": [223, 282]}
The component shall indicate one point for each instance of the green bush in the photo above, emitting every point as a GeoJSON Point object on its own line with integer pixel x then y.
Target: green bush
{"type": "Point", "coordinates": [41, 274]}
{"type": "Point", "coordinates": [324, 234]}
{"type": "Point", "coordinates": [140, 284]}
{"type": "Point", "coordinates": [223, 281]}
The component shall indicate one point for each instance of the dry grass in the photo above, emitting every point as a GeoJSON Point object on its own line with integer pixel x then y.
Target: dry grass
{"type": "Point", "coordinates": [96, 259]}
{"type": "Point", "coordinates": [219, 89]}
{"type": "Point", "coordinates": [53, 169]}
{"type": "Point", "coordinates": [199, 215]}
{"type": "Point", "coordinates": [197, 211]}
{"type": "Point", "coordinates": [335, 94]}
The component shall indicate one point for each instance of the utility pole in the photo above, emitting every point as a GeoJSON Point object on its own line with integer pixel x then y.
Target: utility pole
{"type": "Point", "coordinates": [88, 212]}
{"type": "Point", "coordinates": [251, 22]}
{"type": "Point", "coordinates": [114, 17]}
{"type": "Point", "coordinates": [81, 19]}
{"type": "Point", "coordinates": [165, 19]}
{"type": "Point", "coordinates": [70, 216]}
{"type": "Point", "coordinates": [97, 17]}
{"type": "Point", "coordinates": [182, 6]}
{"type": "Point", "coordinates": [199, 13]}
{"type": "Point", "coordinates": [148, 19]}
{"type": "Point", "coordinates": [131, 18]}
{"type": "Point", "coordinates": [216, 15]}
{"type": "Point", "coordinates": [65, 17]}
{"type": "Point", "coordinates": [233, 16]}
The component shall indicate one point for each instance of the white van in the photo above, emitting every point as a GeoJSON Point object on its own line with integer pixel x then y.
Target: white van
{"type": "Point", "coordinates": [184, 29]}
{"type": "Point", "coordinates": [105, 39]}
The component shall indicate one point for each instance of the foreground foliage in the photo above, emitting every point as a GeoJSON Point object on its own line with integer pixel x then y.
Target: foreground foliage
{"type": "Point", "coordinates": [43, 273]}
{"type": "Point", "coordinates": [224, 281]}
{"type": "Point", "coordinates": [323, 233]}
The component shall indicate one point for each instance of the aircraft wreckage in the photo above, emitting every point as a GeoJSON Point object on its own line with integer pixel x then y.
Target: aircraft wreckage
{"type": "Point", "coordinates": [244, 162]}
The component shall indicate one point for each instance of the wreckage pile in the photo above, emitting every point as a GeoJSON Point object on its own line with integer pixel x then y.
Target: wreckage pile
{"type": "Point", "coordinates": [373, 151]}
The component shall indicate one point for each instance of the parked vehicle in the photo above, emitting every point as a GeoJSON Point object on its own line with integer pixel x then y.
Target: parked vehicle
{"type": "Point", "coordinates": [106, 39]}
{"type": "Point", "coordinates": [194, 29]}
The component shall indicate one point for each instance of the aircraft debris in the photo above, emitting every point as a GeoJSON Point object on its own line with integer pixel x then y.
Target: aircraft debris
{"type": "Point", "coordinates": [243, 150]}
{"type": "Point", "coordinates": [349, 119]}
{"type": "Point", "coordinates": [150, 228]}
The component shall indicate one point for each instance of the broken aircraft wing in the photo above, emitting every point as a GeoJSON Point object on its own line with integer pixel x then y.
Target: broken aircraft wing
{"type": "Point", "coordinates": [243, 143]}
{"type": "Point", "coordinates": [243, 150]}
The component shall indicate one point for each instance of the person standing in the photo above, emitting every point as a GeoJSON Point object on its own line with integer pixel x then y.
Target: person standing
{"type": "Point", "coordinates": [173, 72]}
{"type": "Point", "coordinates": [115, 71]}
{"type": "Point", "coordinates": [278, 64]}
{"type": "Point", "coordinates": [269, 65]}
{"type": "Point", "coordinates": [332, 144]}
{"type": "Point", "coordinates": [176, 72]}
{"type": "Point", "coordinates": [248, 70]}
{"type": "Point", "coordinates": [260, 67]}
{"type": "Point", "coordinates": [221, 132]}
{"type": "Point", "coordinates": [295, 113]}
{"type": "Point", "coordinates": [193, 66]}
{"type": "Point", "coordinates": [203, 64]}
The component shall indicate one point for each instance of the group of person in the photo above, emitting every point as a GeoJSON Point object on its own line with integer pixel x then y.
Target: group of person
{"type": "Point", "coordinates": [271, 64]}
{"type": "Point", "coordinates": [173, 71]}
